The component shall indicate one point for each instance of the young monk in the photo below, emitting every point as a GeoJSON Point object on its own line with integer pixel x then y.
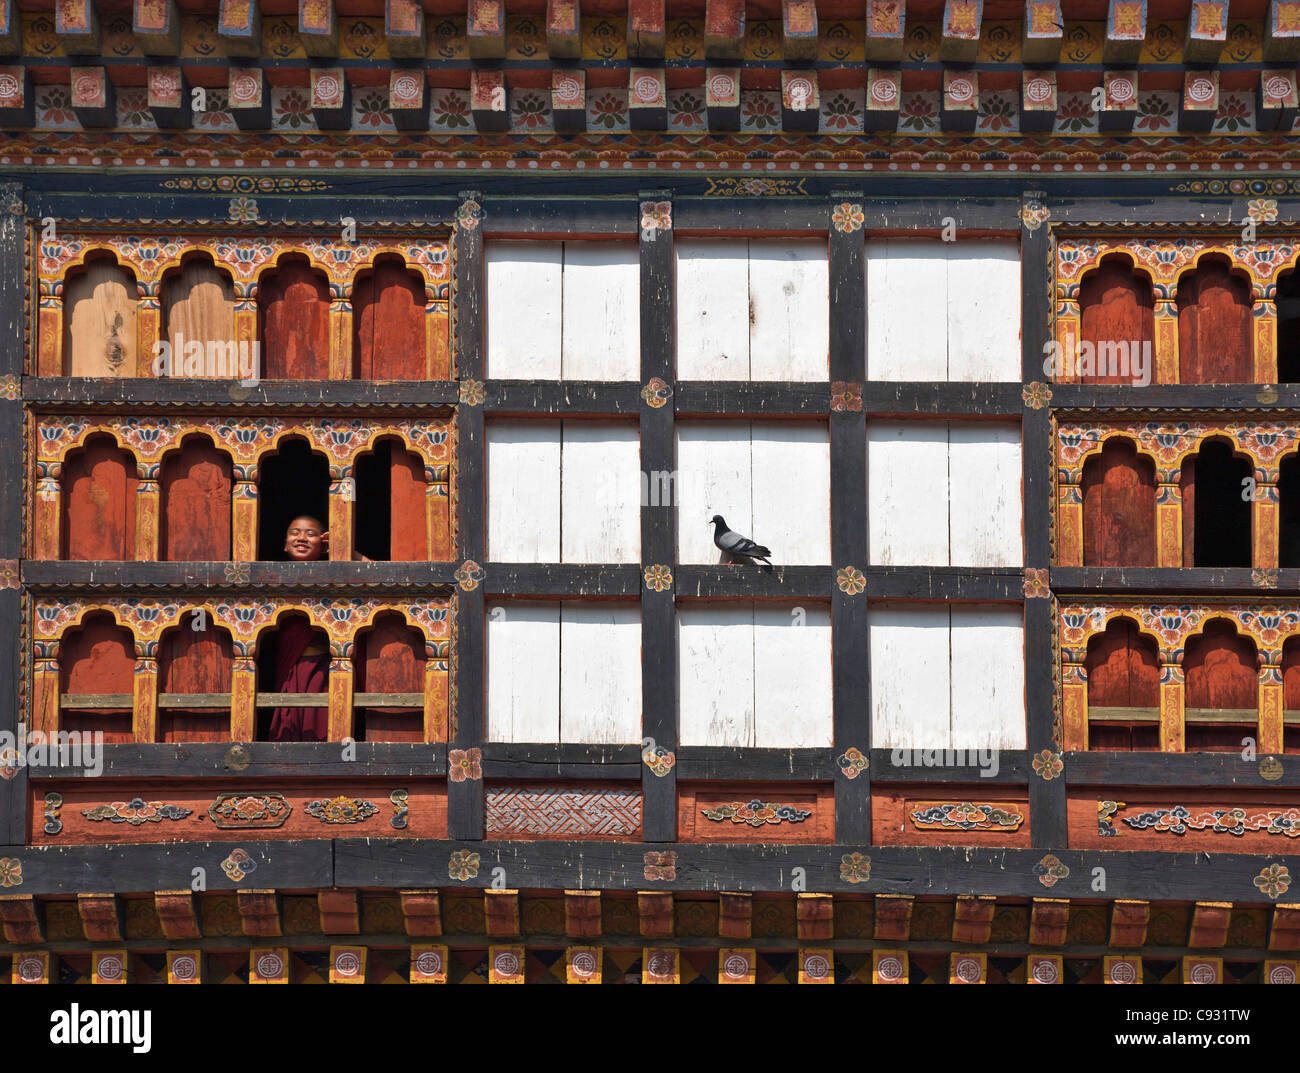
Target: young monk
{"type": "Point", "coordinates": [301, 661]}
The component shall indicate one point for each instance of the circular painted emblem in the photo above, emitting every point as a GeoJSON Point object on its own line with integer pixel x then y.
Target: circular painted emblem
{"type": "Point", "coordinates": [722, 86]}
{"type": "Point", "coordinates": [506, 963]}
{"type": "Point", "coordinates": [890, 968]}
{"type": "Point", "coordinates": [583, 963]}
{"type": "Point", "coordinates": [883, 91]}
{"type": "Point", "coordinates": [406, 88]}
{"type": "Point", "coordinates": [646, 89]}
{"type": "Point", "coordinates": [429, 963]}
{"type": "Point", "coordinates": [85, 88]}
{"type": "Point", "coordinates": [800, 90]}
{"type": "Point", "coordinates": [184, 967]}
{"type": "Point", "coordinates": [347, 964]}
{"type": "Point", "coordinates": [567, 90]}
{"type": "Point", "coordinates": [1277, 88]}
{"type": "Point", "coordinates": [1045, 972]}
{"type": "Point", "coordinates": [1123, 972]}
{"type": "Point", "coordinates": [8, 86]}
{"type": "Point", "coordinates": [1038, 90]}
{"type": "Point", "coordinates": [735, 967]}
{"type": "Point", "coordinates": [816, 967]}
{"type": "Point", "coordinates": [162, 83]}
{"type": "Point", "coordinates": [1203, 973]}
{"type": "Point", "coordinates": [1120, 90]}
{"type": "Point", "coordinates": [1281, 974]}
{"type": "Point", "coordinates": [31, 969]}
{"type": "Point", "coordinates": [660, 965]}
{"type": "Point", "coordinates": [109, 967]}
{"type": "Point", "coordinates": [243, 88]}
{"type": "Point", "coordinates": [327, 88]}
{"type": "Point", "coordinates": [961, 90]}
{"type": "Point", "coordinates": [269, 966]}
{"type": "Point", "coordinates": [1200, 90]}
{"type": "Point", "coordinates": [967, 970]}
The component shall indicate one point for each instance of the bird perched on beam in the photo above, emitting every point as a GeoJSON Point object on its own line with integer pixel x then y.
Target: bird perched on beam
{"type": "Point", "coordinates": [737, 547]}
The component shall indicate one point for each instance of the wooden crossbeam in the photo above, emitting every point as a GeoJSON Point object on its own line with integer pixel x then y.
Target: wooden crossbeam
{"type": "Point", "coordinates": [485, 29]}
{"type": "Point", "coordinates": [259, 912]}
{"type": "Point", "coordinates": [569, 99]}
{"type": "Point", "coordinates": [101, 917]}
{"type": "Point", "coordinates": [582, 914]}
{"type": "Point", "coordinates": [1049, 921]}
{"type": "Point", "coordinates": [1128, 922]}
{"type": "Point", "coordinates": [76, 25]}
{"type": "Point", "coordinates": [1042, 32]}
{"type": "Point", "coordinates": [724, 29]}
{"type": "Point", "coordinates": [178, 914]}
{"type": "Point", "coordinates": [960, 38]}
{"type": "Point", "coordinates": [404, 29]}
{"type": "Point", "coordinates": [655, 910]}
{"type": "Point", "coordinates": [816, 916]}
{"type": "Point", "coordinates": [646, 32]}
{"type": "Point", "coordinates": [318, 28]}
{"type": "Point", "coordinates": [1210, 922]}
{"type": "Point", "coordinates": [799, 30]}
{"type": "Point", "coordinates": [973, 918]}
{"type": "Point", "coordinates": [331, 98]}
{"type": "Point", "coordinates": [894, 916]}
{"type": "Point", "coordinates": [157, 27]}
{"type": "Point", "coordinates": [11, 29]}
{"type": "Point", "coordinates": [239, 27]}
{"type": "Point", "coordinates": [340, 912]}
{"type": "Point", "coordinates": [92, 97]}
{"type": "Point", "coordinates": [886, 24]}
{"type": "Point", "coordinates": [1038, 101]}
{"type": "Point", "coordinates": [1284, 932]}
{"type": "Point", "coordinates": [421, 912]}
{"type": "Point", "coordinates": [19, 916]}
{"type": "Point", "coordinates": [501, 913]}
{"type": "Point", "coordinates": [1126, 29]}
{"type": "Point", "coordinates": [564, 29]}
{"type": "Point", "coordinates": [735, 915]}
{"type": "Point", "coordinates": [1207, 31]}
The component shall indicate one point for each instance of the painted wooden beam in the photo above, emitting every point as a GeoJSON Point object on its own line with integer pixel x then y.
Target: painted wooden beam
{"type": "Point", "coordinates": [1128, 922]}
{"type": "Point", "coordinates": [582, 914]}
{"type": "Point", "coordinates": [800, 100]}
{"type": "Point", "coordinates": [1282, 31]}
{"type": "Point", "coordinates": [1049, 921]}
{"type": "Point", "coordinates": [815, 914]}
{"type": "Point", "coordinates": [501, 913]}
{"type": "Point", "coordinates": [724, 29]}
{"type": "Point", "coordinates": [76, 26]}
{"type": "Point", "coordinates": [157, 27]}
{"type": "Point", "coordinates": [331, 98]}
{"type": "Point", "coordinates": [569, 99]}
{"type": "Point", "coordinates": [421, 912]}
{"type": "Point", "coordinates": [249, 98]}
{"type": "Point", "coordinates": [11, 29]}
{"type": "Point", "coordinates": [404, 29]}
{"type": "Point", "coordinates": [1126, 29]}
{"type": "Point", "coordinates": [178, 914]}
{"type": "Point", "coordinates": [13, 324]}
{"type": "Point", "coordinates": [169, 98]}
{"type": "Point", "coordinates": [655, 913]}
{"type": "Point", "coordinates": [340, 912]}
{"type": "Point", "coordinates": [799, 30]}
{"type": "Point", "coordinates": [1038, 101]}
{"type": "Point", "coordinates": [959, 40]}
{"type": "Point", "coordinates": [722, 98]}
{"type": "Point", "coordinates": [259, 913]}
{"type": "Point", "coordinates": [884, 97]}
{"type": "Point", "coordinates": [735, 915]}
{"type": "Point", "coordinates": [1200, 102]}
{"type": "Point", "coordinates": [92, 97]}
{"type": "Point", "coordinates": [646, 30]}
{"type": "Point", "coordinates": [239, 28]}
{"type": "Point", "coordinates": [485, 29]}
{"type": "Point", "coordinates": [408, 99]}
{"type": "Point", "coordinates": [20, 919]}
{"type": "Point", "coordinates": [1207, 31]}
{"type": "Point", "coordinates": [886, 27]}
{"type": "Point", "coordinates": [318, 28]}
{"type": "Point", "coordinates": [647, 99]}
{"type": "Point", "coordinates": [1042, 32]}
{"type": "Point", "coordinates": [961, 100]}
{"type": "Point", "coordinates": [973, 918]}
{"type": "Point", "coordinates": [1284, 929]}
{"type": "Point", "coordinates": [101, 917]}
{"type": "Point", "coordinates": [488, 101]}
{"type": "Point", "coordinates": [1276, 101]}
{"type": "Point", "coordinates": [1120, 98]}
{"type": "Point", "coordinates": [894, 917]}
{"type": "Point", "coordinates": [17, 103]}
{"type": "Point", "coordinates": [564, 29]}
{"type": "Point", "coordinates": [1210, 922]}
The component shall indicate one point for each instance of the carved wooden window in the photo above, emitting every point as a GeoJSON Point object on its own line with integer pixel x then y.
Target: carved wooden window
{"type": "Point", "coordinates": [1221, 670]}
{"type": "Point", "coordinates": [1214, 326]}
{"type": "Point", "coordinates": [99, 320]}
{"type": "Point", "coordinates": [1119, 506]}
{"type": "Point", "coordinates": [294, 307]}
{"type": "Point", "coordinates": [391, 516]}
{"type": "Point", "coordinates": [567, 492]}
{"type": "Point", "coordinates": [1288, 490]}
{"type": "Point", "coordinates": [943, 310]}
{"type": "Point", "coordinates": [388, 323]}
{"type": "Point", "coordinates": [752, 309]}
{"type": "Point", "coordinates": [770, 480]}
{"type": "Point", "coordinates": [564, 672]}
{"type": "Point", "coordinates": [292, 482]}
{"type": "Point", "coordinates": [752, 674]}
{"type": "Point", "coordinates": [196, 503]}
{"type": "Point", "coordinates": [99, 497]}
{"type": "Point", "coordinates": [389, 665]}
{"type": "Point", "coordinates": [194, 670]}
{"type": "Point", "coordinates": [1123, 689]}
{"type": "Point", "coordinates": [198, 303]}
{"type": "Point", "coordinates": [1216, 519]}
{"type": "Point", "coordinates": [1117, 325]}
{"type": "Point", "coordinates": [563, 311]}
{"type": "Point", "coordinates": [97, 679]}
{"type": "Point", "coordinates": [944, 493]}
{"type": "Point", "coordinates": [1288, 328]}
{"type": "Point", "coordinates": [947, 677]}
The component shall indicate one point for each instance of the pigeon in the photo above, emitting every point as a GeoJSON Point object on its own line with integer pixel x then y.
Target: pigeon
{"type": "Point", "coordinates": [735, 545]}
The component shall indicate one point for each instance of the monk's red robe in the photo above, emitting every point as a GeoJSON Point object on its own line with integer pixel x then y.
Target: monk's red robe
{"type": "Point", "coordinates": [296, 672]}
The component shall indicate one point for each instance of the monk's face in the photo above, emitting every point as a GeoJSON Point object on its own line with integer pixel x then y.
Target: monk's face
{"type": "Point", "coordinates": [304, 542]}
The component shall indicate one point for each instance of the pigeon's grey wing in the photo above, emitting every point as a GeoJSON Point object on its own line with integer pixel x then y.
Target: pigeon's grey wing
{"type": "Point", "coordinates": [731, 541]}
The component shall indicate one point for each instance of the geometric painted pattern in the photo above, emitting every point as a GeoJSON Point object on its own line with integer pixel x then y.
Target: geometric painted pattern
{"type": "Point", "coordinates": [541, 813]}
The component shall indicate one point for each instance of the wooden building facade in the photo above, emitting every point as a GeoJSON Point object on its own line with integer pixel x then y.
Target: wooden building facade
{"type": "Point", "coordinates": [984, 317]}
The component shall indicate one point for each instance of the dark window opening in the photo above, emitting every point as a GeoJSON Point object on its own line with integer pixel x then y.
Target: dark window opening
{"type": "Point", "coordinates": [1216, 519]}
{"type": "Point", "coordinates": [1288, 329]}
{"type": "Point", "coordinates": [372, 522]}
{"type": "Point", "coordinates": [292, 658]}
{"type": "Point", "coordinates": [391, 517]}
{"type": "Point", "coordinates": [292, 482]}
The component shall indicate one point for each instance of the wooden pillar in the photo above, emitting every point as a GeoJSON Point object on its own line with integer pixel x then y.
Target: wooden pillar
{"type": "Point", "coordinates": [340, 342]}
{"type": "Point", "coordinates": [148, 330]}
{"type": "Point", "coordinates": [246, 332]}
{"type": "Point", "coordinates": [340, 707]}
{"type": "Point", "coordinates": [1169, 517]}
{"type": "Point", "coordinates": [438, 513]}
{"type": "Point", "coordinates": [243, 697]}
{"type": "Point", "coordinates": [437, 352]}
{"type": "Point", "coordinates": [1173, 700]}
{"type": "Point", "coordinates": [148, 500]}
{"type": "Point", "coordinates": [1270, 704]}
{"type": "Point", "coordinates": [1068, 334]}
{"type": "Point", "coordinates": [15, 257]}
{"type": "Point", "coordinates": [1265, 316]}
{"type": "Point", "coordinates": [1074, 699]}
{"type": "Point", "coordinates": [49, 355]}
{"type": "Point", "coordinates": [244, 514]}
{"type": "Point", "coordinates": [343, 498]}
{"type": "Point", "coordinates": [45, 688]}
{"type": "Point", "coordinates": [1069, 533]}
{"type": "Point", "coordinates": [437, 692]}
{"type": "Point", "coordinates": [1264, 520]}
{"type": "Point", "coordinates": [145, 720]}
{"type": "Point", "coordinates": [47, 527]}
{"type": "Point", "coordinates": [1166, 323]}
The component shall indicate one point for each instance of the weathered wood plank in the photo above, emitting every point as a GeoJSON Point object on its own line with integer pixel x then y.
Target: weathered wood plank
{"type": "Point", "coordinates": [601, 311]}
{"type": "Point", "coordinates": [599, 493]}
{"type": "Point", "coordinates": [600, 673]}
{"type": "Point", "coordinates": [524, 315]}
{"type": "Point", "coordinates": [523, 501]}
{"type": "Point", "coordinates": [523, 671]}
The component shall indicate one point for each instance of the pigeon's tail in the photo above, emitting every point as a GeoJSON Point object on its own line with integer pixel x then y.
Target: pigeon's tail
{"type": "Point", "coordinates": [757, 551]}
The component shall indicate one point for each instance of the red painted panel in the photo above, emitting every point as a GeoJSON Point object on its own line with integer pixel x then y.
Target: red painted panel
{"type": "Point", "coordinates": [392, 661]}
{"type": "Point", "coordinates": [196, 504]}
{"type": "Point", "coordinates": [295, 303]}
{"type": "Point", "coordinates": [1214, 329]}
{"type": "Point", "coordinates": [1116, 305]}
{"type": "Point", "coordinates": [408, 539]}
{"type": "Point", "coordinates": [1221, 669]}
{"type": "Point", "coordinates": [191, 661]}
{"type": "Point", "coordinates": [1123, 671]}
{"type": "Point", "coordinates": [100, 485]}
{"type": "Point", "coordinates": [1291, 674]}
{"type": "Point", "coordinates": [97, 657]}
{"type": "Point", "coordinates": [1119, 507]}
{"type": "Point", "coordinates": [388, 319]}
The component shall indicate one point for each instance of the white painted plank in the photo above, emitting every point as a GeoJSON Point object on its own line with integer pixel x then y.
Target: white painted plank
{"type": "Point", "coordinates": [790, 327]}
{"type": "Point", "coordinates": [985, 498]}
{"type": "Point", "coordinates": [792, 677]}
{"type": "Point", "coordinates": [715, 676]}
{"type": "Point", "coordinates": [600, 672]}
{"type": "Point", "coordinates": [713, 477]}
{"type": "Point", "coordinates": [602, 311]}
{"type": "Point", "coordinates": [523, 491]}
{"type": "Point", "coordinates": [523, 671]}
{"type": "Point", "coordinates": [523, 312]}
{"type": "Point", "coordinates": [600, 493]}
{"type": "Point", "coordinates": [983, 310]}
{"type": "Point", "coordinates": [712, 309]}
{"type": "Point", "coordinates": [909, 677]}
{"type": "Point", "coordinates": [907, 485]}
{"type": "Point", "coordinates": [907, 286]}
{"type": "Point", "coordinates": [988, 678]}
{"type": "Point", "coordinates": [791, 468]}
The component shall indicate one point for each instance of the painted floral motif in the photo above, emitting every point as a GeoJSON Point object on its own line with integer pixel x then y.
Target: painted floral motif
{"type": "Point", "coordinates": [370, 109]}
{"type": "Point", "coordinates": [469, 574]}
{"type": "Point", "coordinates": [851, 580]}
{"type": "Point", "coordinates": [11, 872]}
{"type": "Point", "coordinates": [530, 111]}
{"type": "Point", "coordinates": [8, 762]}
{"type": "Point", "coordinates": [1178, 820]}
{"type": "Point", "coordinates": [656, 215]}
{"type": "Point", "coordinates": [1105, 818]}
{"type": "Point", "coordinates": [1274, 880]}
{"type": "Point", "coordinates": [1235, 112]}
{"type": "Point", "coordinates": [234, 811]}
{"type": "Point", "coordinates": [848, 217]}
{"type": "Point", "coordinates": [341, 810]}
{"type": "Point", "coordinates": [217, 113]}
{"type": "Point", "coordinates": [135, 812]}
{"type": "Point", "coordinates": [238, 865]}
{"type": "Point", "coordinates": [841, 112]}
{"type": "Point", "coordinates": [10, 388]}
{"type": "Point", "coordinates": [463, 865]}
{"type": "Point", "coordinates": [756, 813]}
{"type": "Point", "coordinates": [996, 112]}
{"type": "Point", "coordinates": [846, 397]}
{"type": "Point", "coordinates": [243, 209]}
{"type": "Point", "coordinates": [659, 760]}
{"type": "Point", "coordinates": [471, 392]}
{"type": "Point", "coordinates": [1262, 210]}
{"type": "Point", "coordinates": [661, 866]}
{"type": "Point", "coordinates": [1075, 113]}
{"type": "Point", "coordinates": [686, 110]}
{"type": "Point", "coordinates": [656, 393]}
{"type": "Point", "coordinates": [468, 216]}
{"type": "Point", "coordinates": [9, 577]}
{"type": "Point", "coordinates": [1036, 585]}
{"type": "Point", "coordinates": [54, 106]}
{"type": "Point", "coordinates": [464, 764]}
{"type": "Point", "coordinates": [237, 573]}
{"type": "Point", "coordinates": [451, 109]}
{"type": "Point", "coordinates": [853, 761]}
{"type": "Point", "coordinates": [1036, 395]}
{"type": "Point", "coordinates": [1033, 214]}
{"type": "Point", "coordinates": [1049, 870]}
{"type": "Point", "coordinates": [920, 113]}
{"type": "Point", "coordinates": [292, 109]}
{"type": "Point", "coordinates": [133, 110]}
{"type": "Point", "coordinates": [760, 110]}
{"type": "Point", "coordinates": [1155, 111]}
{"type": "Point", "coordinates": [658, 578]}
{"type": "Point", "coordinates": [608, 111]}
{"type": "Point", "coordinates": [1264, 577]}
{"type": "Point", "coordinates": [855, 868]}
{"type": "Point", "coordinates": [1048, 764]}
{"type": "Point", "coordinates": [966, 816]}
